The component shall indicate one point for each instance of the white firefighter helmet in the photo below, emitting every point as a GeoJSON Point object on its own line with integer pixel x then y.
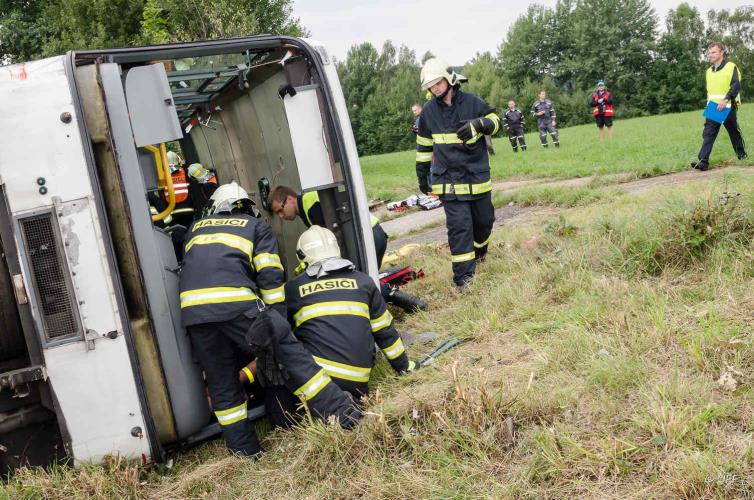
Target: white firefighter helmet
{"type": "Point", "coordinates": [174, 161]}
{"type": "Point", "coordinates": [200, 174]}
{"type": "Point", "coordinates": [225, 197]}
{"type": "Point", "coordinates": [317, 244]}
{"type": "Point", "coordinates": [436, 69]}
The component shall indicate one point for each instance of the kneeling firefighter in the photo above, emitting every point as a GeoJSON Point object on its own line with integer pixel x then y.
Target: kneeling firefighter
{"type": "Point", "coordinates": [231, 287]}
{"type": "Point", "coordinates": [339, 314]}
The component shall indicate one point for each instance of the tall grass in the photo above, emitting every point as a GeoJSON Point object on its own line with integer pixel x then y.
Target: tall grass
{"type": "Point", "coordinates": [593, 345]}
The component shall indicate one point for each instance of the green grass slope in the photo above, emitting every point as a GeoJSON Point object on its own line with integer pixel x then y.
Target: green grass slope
{"type": "Point", "coordinates": [645, 146]}
{"type": "Point", "coordinates": [608, 353]}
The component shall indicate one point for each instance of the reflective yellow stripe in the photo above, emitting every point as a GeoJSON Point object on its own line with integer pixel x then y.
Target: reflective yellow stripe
{"type": "Point", "coordinates": [232, 415]}
{"type": "Point", "coordinates": [273, 295]}
{"type": "Point", "coordinates": [496, 120]}
{"type": "Point", "coordinates": [374, 220]}
{"type": "Point", "coordinates": [423, 141]}
{"type": "Point", "coordinates": [421, 157]}
{"type": "Point", "coordinates": [330, 309]}
{"type": "Point", "coordinates": [385, 320]}
{"type": "Point", "coordinates": [248, 373]}
{"type": "Point", "coordinates": [480, 188]}
{"type": "Point", "coordinates": [226, 239]}
{"type": "Point", "coordinates": [446, 139]}
{"type": "Point", "coordinates": [482, 244]}
{"type": "Point", "coordinates": [217, 295]}
{"type": "Point", "coordinates": [343, 371]}
{"type": "Point", "coordinates": [394, 350]}
{"type": "Point", "coordinates": [463, 257]}
{"type": "Point", "coordinates": [308, 200]}
{"type": "Point", "coordinates": [263, 260]}
{"type": "Point", "coordinates": [312, 387]}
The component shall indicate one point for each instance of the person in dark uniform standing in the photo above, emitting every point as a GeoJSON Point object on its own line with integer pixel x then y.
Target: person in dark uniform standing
{"type": "Point", "coordinates": [338, 313]}
{"type": "Point", "coordinates": [723, 88]}
{"type": "Point", "coordinates": [602, 102]}
{"type": "Point", "coordinates": [544, 111]}
{"type": "Point", "coordinates": [288, 204]}
{"type": "Point", "coordinates": [513, 121]}
{"type": "Point", "coordinates": [450, 144]}
{"type": "Point", "coordinates": [231, 273]}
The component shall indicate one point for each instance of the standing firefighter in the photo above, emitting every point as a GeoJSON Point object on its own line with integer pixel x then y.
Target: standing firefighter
{"type": "Point", "coordinates": [338, 313]}
{"type": "Point", "coordinates": [448, 143]}
{"type": "Point", "coordinates": [232, 273]}
{"type": "Point", "coordinates": [723, 88]}
{"type": "Point", "coordinates": [544, 111]}
{"type": "Point", "coordinates": [513, 121]}
{"type": "Point", "coordinates": [602, 102]}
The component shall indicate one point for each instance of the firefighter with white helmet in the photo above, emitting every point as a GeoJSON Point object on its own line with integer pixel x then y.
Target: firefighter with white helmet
{"type": "Point", "coordinates": [180, 183]}
{"type": "Point", "coordinates": [448, 145]}
{"type": "Point", "coordinates": [232, 273]}
{"type": "Point", "coordinates": [338, 314]}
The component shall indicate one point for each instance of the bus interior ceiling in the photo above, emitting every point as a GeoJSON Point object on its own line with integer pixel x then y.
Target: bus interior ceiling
{"type": "Point", "coordinates": [236, 124]}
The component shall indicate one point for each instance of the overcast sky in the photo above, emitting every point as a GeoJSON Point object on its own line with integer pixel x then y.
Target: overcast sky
{"type": "Point", "coordinates": [455, 30]}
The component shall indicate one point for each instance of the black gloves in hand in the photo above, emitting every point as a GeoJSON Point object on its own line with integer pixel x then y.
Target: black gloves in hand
{"type": "Point", "coordinates": [424, 186]}
{"type": "Point", "coordinates": [471, 129]}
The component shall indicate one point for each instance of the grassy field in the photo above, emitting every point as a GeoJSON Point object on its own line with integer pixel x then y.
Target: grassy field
{"type": "Point", "coordinates": [645, 146]}
{"type": "Point", "coordinates": [608, 352]}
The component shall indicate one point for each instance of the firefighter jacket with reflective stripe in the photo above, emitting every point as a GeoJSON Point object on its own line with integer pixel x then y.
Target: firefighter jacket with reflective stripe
{"type": "Point", "coordinates": [724, 82]}
{"type": "Point", "coordinates": [340, 317]}
{"type": "Point", "coordinates": [230, 263]}
{"type": "Point", "coordinates": [606, 106]}
{"type": "Point", "coordinates": [545, 106]}
{"type": "Point", "coordinates": [513, 118]}
{"type": "Point", "coordinates": [310, 210]}
{"type": "Point", "coordinates": [459, 171]}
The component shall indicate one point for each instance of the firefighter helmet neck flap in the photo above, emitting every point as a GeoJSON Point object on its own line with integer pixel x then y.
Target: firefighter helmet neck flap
{"type": "Point", "coordinates": [231, 198]}
{"type": "Point", "coordinates": [317, 244]}
{"type": "Point", "coordinates": [436, 69]}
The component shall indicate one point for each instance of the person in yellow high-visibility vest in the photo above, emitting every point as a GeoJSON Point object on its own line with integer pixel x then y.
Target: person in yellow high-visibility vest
{"type": "Point", "coordinates": [724, 88]}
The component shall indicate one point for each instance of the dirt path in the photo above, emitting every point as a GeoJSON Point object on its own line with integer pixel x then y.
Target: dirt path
{"type": "Point", "coordinates": [408, 229]}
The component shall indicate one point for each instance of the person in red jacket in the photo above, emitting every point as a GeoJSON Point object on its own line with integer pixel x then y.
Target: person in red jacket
{"type": "Point", "coordinates": [602, 102]}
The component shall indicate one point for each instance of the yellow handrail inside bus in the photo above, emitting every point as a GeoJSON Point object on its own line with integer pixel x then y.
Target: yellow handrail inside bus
{"type": "Point", "coordinates": [163, 174]}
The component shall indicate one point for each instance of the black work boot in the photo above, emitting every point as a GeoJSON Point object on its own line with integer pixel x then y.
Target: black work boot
{"type": "Point", "coordinates": [700, 165]}
{"type": "Point", "coordinates": [743, 156]}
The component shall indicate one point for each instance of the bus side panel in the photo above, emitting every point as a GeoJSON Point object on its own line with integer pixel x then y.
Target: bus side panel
{"type": "Point", "coordinates": [50, 197]}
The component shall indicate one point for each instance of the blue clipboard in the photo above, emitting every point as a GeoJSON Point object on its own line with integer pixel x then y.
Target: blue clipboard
{"type": "Point", "coordinates": [711, 112]}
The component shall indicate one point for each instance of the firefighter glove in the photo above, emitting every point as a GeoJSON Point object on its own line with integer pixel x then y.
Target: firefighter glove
{"type": "Point", "coordinates": [474, 127]}
{"type": "Point", "coordinates": [424, 186]}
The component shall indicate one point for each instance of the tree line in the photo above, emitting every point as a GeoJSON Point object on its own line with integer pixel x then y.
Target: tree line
{"type": "Point", "coordinates": [564, 49]}
{"type": "Point", "coordinates": [33, 29]}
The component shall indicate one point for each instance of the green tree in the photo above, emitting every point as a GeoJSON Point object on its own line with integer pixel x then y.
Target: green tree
{"type": "Point", "coordinates": [735, 29]}
{"type": "Point", "coordinates": [677, 73]}
{"type": "Point", "coordinates": [487, 80]}
{"type": "Point", "coordinates": [523, 54]}
{"type": "Point", "coordinates": [92, 24]}
{"type": "Point", "coordinates": [190, 20]}
{"type": "Point", "coordinates": [614, 40]}
{"type": "Point", "coordinates": [23, 30]}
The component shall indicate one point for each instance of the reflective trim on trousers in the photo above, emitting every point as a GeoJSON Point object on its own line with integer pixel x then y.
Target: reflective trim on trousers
{"type": "Point", "coordinates": [231, 415]}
